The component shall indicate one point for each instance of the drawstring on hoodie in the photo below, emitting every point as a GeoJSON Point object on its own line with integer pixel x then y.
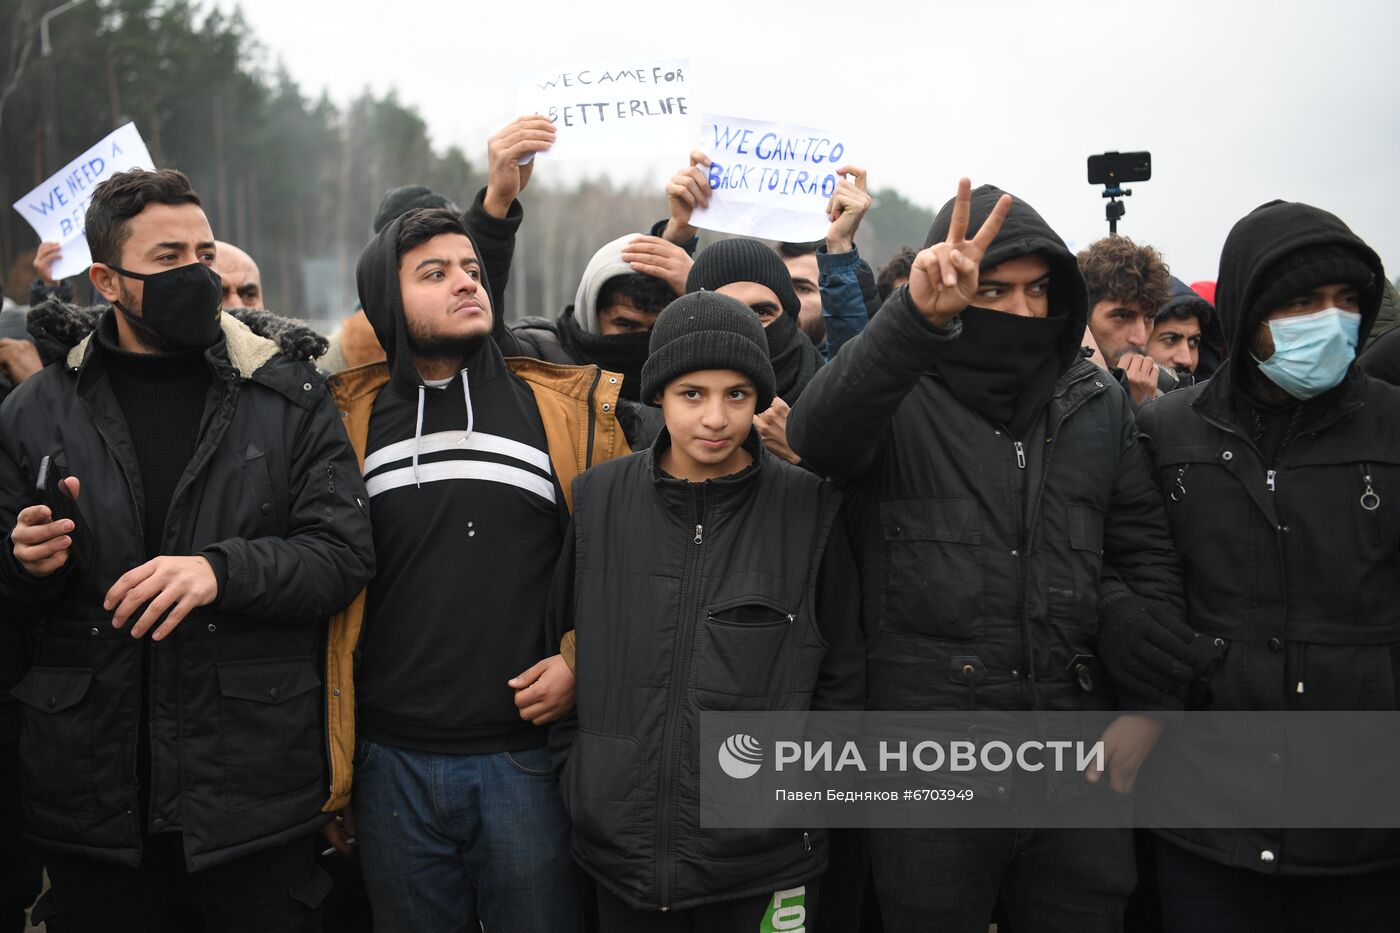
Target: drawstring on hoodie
{"type": "Point", "coordinates": [418, 436]}
{"type": "Point", "coordinates": [471, 416]}
{"type": "Point", "coordinates": [418, 427]}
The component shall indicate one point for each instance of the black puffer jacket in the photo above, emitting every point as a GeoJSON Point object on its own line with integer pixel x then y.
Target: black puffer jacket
{"type": "Point", "coordinates": [1290, 576]}
{"type": "Point", "coordinates": [981, 556]}
{"type": "Point", "coordinates": [689, 597]}
{"type": "Point", "coordinates": [236, 731]}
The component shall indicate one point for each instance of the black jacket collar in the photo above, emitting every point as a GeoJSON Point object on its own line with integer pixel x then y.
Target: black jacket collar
{"type": "Point", "coordinates": [715, 496]}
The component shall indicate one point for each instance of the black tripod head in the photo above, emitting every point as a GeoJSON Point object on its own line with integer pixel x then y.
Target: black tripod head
{"type": "Point", "coordinates": [1112, 169]}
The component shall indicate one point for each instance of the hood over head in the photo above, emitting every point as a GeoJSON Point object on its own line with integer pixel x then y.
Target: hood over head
{"type": "Point", "coordinates": [399, 201]}
{"type": "Point", "coordinates": [377, 279]}
{"type": "Point", "coordinates": [1184, 297]}
{"type": "Point", "coordinates": [1286, 246]}
{"type": "Point", "coordinates": [606, 264]}
{"type": "Point", "coordinates": [1023, 232]}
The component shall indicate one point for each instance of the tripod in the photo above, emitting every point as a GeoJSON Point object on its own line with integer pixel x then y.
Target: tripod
{"type": "Point", "coordinates": [1115, 209]}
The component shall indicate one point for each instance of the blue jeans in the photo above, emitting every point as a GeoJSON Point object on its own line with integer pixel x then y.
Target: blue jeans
{"type": "Point", "coordinates": [464, 842]}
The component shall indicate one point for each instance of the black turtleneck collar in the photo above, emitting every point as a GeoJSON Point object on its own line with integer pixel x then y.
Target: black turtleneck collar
{"type": "Point", "coordinates": [163, 368]}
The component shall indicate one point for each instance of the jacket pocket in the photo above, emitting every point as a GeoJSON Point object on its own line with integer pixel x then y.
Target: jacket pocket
{"type": "Point", "coordinates": [272, 736]}
{"type": "Point", "coordinates": [745, 655]}
{"type": "Point", "coordinates": [261, 498]}
{"type": "Point", "coordinates": [603, 790]}
{"type": "Point", "coordinates": [932, 560]}
{"type": "Point", "coordinates": [1075, 595]}
{"type": "Point", "coordinates": [55, 743]}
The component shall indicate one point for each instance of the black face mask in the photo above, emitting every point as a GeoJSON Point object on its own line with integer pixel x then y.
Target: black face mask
{"type": "Point", "coordinates": [794, 358]}
{"type": "Point", "coordinates": [180, 308]}
{"type": "Point", "coordinates": [1003, 366]}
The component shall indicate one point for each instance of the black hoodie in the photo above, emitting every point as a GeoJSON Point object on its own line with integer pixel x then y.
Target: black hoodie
{"type": "Point", "coordinates": [1254, 255]}
{"type": "Point", "coordinates": [987, 553]}
{"type": "Point", "coordinates": [469, 519]}
{"type": "Point", "coordinates": [1249, 257]}
{"type": "Point", "coordinates": [1292, 578]}
{"type": "Point", "coordinates": [1212, 346]}
{"type": "Point", "coordinates": [1025, 231]}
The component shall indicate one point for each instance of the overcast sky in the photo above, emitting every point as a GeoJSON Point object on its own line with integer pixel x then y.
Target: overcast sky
{"type": "Point", "coordinates": [1239, 102]}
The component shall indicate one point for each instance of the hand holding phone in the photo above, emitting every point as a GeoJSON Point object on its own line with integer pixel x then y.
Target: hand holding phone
{"type": "Point", "coordinates": [44, 534]}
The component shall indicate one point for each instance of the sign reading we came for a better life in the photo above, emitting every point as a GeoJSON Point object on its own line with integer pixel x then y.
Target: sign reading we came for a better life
{"type": "Point", "coordinates": [57, 208]}
{"type": "Point", "coordinates": [614, 109]}
{"type": "Point", "coordinates": [769, 180]}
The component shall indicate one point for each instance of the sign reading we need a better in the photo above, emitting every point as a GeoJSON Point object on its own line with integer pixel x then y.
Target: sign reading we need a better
{"type": "Point", "coordinates": [769, 180]}
{"type": "Point", "coordinates": [57, 208]}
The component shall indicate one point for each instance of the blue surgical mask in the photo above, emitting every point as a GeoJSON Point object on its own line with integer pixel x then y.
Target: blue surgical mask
{"type": "Point", "coordinates": [1312, 352]}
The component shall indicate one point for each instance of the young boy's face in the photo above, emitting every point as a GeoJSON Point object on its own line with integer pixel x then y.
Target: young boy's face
{"type": "Point", "coordinates": [708, 414]}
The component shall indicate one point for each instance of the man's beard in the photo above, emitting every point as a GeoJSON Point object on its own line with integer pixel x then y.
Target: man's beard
{"type": "Point", "coordinates": [435, 348]}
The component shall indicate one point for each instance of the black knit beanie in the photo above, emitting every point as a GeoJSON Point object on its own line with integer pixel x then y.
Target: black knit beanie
{"type": "Point", "coordinates": [1305, 269]}
{"type": "Point", "coordinates": [399, 201]}
{"type": "Point", "coordinates": [740, 260]}
{"type": "Point", "coordinates": [703, 330]}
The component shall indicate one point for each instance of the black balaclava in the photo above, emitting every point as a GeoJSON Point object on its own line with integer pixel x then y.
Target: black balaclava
{"type": "Point", "coordinates": [623, 354]}
{"type": "Point", "coordinates": [795, 358]}
{"type": "Point", "coordinates": [1004, 366]}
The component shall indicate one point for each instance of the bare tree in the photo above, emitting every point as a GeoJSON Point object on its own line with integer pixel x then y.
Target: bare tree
{"type": "Point", "coordinates": [21, 43]}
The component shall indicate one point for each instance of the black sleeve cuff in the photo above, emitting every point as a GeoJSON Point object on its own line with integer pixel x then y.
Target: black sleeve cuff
{"type": "Point", "coordinates": [219, 562]}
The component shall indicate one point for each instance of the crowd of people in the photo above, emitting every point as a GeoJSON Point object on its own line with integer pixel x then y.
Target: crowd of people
{"type": "Point", "coordinates": [409, 627]}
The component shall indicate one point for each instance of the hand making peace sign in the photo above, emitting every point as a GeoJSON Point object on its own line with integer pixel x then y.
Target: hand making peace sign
{"type": "Point", "coordinates": [943, 280]}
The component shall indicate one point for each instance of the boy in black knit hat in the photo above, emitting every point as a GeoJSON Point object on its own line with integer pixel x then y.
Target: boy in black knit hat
{"type": "Point", "coordinates": [702, 572]}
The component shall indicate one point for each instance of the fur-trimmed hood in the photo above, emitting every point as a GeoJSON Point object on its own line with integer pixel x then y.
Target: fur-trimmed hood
{"type": "Point", "coordinates": [63, 331]}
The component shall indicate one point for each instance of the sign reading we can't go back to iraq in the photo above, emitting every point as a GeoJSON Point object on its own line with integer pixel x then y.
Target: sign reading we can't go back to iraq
{"type": "Point", "coordinates": [769, 180]}
{"type": "Point", "coordinates": [613, 109]}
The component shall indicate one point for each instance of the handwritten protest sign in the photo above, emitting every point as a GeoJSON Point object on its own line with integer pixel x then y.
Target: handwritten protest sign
{"type": "Point", "coordinates": [56, 209]}
{"type": "Point", "coordinates": [769, 180]}
{"type": "Point", "coordinates": [614, 109]}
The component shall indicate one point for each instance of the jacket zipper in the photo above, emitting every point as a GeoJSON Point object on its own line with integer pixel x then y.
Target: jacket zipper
{"type": "Point", "coordinates": [680, 673]}
{"type": "Point", "coordinates": [1053, 431]}
{"type": "Point", "coordinates": [1022, 574]}
{"type": "Point", "coordinates": [1370, 502]}
{"type": "Point", "coordinates": [141, 662]}
{"type": "Point", "coordinates": [588, 455]}
{"type": "Point", "coordinates": [1271, 480]}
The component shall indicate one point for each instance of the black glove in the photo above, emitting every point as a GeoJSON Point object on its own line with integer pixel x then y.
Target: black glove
{"type": "Point", "coordinates": [1148, 657]}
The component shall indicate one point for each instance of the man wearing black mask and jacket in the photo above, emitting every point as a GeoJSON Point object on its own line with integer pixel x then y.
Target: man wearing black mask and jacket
{"type": "Point", "coordinates": [1284, 478]}
{"type": "Point", "coordinates": [1009, 538]}
{"type": "Point", "coordinates": [174, 746]}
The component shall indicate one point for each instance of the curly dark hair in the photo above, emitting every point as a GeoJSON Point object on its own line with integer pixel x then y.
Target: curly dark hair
{"type": "Point", "coordinates": [122, 197]}
{"type": "Point", "coordinates": [1117, 269]}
